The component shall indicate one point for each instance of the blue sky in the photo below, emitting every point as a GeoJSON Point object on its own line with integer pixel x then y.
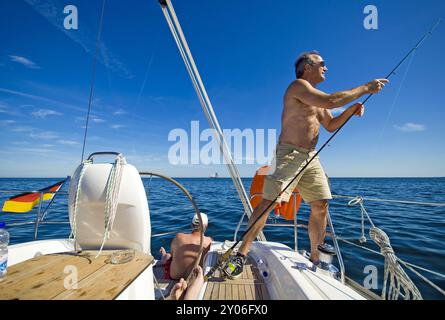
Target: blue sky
{"type": "Point", "coordinates": [245, 52]}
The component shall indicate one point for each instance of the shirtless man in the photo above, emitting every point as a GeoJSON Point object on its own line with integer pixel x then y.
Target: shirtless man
{"type": "Point", "coordinates": [184, 251]}
{"type": "Point", "coordinates": [305, 109]}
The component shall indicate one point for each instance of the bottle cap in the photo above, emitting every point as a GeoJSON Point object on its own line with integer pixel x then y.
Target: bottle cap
{"type": "Point", "coordinates": [2, 225]}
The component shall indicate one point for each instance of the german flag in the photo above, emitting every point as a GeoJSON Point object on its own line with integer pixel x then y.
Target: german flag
{"type": "Point", "coordinates": [27, 201]}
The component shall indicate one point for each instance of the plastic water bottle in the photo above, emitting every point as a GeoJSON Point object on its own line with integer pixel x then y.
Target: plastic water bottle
{"type": "Point", "coordinates": [4, 241]}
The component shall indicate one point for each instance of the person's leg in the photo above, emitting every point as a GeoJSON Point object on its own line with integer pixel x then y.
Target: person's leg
{"type": "Point", "coordinates": [234, 267]}
{"type": "Point", "coordinates": [195, 283]}
{"type": "Point", "coordinates": [256, 229]}
{"type": "Point", "coordinates": [317, 226]}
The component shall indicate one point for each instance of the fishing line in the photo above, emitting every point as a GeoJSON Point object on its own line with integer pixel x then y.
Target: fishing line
{"type": "Point", "coordinates": [93, 77]}
{"type": "Point", "coordinates": [396, 98]}
{"type": "Point", "coordinates": [272, 204]}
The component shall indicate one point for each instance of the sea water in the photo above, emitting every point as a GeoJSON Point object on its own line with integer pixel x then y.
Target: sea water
{"type": "Point", "coordinates": [417, 232]}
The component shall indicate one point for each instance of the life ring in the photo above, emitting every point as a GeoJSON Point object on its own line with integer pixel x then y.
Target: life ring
{"type": "Point", "coordinates": [286, 210]}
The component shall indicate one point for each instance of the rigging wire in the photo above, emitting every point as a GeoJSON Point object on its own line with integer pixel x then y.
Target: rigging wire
{"type": "Point", "coordinates": [93, 77]}
{"type": "Point", "coordinates": [178, 35]}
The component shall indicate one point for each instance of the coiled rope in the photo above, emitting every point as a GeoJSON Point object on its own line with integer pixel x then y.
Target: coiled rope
{"type": "Point", "coordinates": [393, 272]}
{"type": "Point", "coordinates": [112, 196]}
{"type": "Point", "coordinates": [398, 279]}
{"type": "Point", "coordinates": [80, 171]}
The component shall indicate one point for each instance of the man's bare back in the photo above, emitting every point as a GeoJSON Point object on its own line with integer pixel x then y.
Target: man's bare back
{"type": "Point", "coordinates": [300, 122]}
{"type": "Point", "coordinates": [184, 250]}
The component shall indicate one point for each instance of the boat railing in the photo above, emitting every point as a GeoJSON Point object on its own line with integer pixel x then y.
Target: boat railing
{"type": "Point", "coordinates": [40, 212]}
{"type": "Point", "coordinates": [359, 201]}
{"type": "Point", "coordinates": [393, 264]}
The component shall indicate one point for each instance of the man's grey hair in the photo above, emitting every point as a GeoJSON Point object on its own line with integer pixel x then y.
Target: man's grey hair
{"type": "Point", "coordinates": [302, 61]}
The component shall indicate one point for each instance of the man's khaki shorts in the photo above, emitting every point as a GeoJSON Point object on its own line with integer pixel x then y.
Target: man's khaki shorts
{"type": "Point", "coordinates": [289, 160]}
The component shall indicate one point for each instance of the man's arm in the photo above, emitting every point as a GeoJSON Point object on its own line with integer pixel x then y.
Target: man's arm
{"type": "Point", "coordinates": [311, 96]}
{"type": "Point", "coordinates": [331, 124]}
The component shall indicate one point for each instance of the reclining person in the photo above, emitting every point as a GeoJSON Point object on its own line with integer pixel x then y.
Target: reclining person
{"type": "Point", "coordinates": [184, 250]}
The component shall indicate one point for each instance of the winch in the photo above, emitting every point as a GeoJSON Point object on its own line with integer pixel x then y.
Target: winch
{"type": "Point", "coordinates": [326, 256]}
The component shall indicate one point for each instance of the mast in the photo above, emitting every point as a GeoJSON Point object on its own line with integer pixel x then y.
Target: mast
{"type": "Point", "coordinates": [178, 35]}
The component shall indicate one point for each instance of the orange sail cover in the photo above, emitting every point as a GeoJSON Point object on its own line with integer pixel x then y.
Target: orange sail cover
{"type": "Point", "coordinates": [286, 210]}
{"type": "Point", "coordinates": [27, 201]}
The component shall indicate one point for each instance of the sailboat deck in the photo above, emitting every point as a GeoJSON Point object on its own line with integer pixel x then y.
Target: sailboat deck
{"type": "Point", "coordinates": [45, 277]}
{"type": "Point", "coordinates": [250, 286]}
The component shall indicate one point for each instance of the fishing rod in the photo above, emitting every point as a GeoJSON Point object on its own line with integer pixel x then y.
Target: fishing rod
{"type": "Point", "coordinates": [227, 254]}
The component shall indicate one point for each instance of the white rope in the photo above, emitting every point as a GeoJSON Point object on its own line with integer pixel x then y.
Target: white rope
{"type": "Point", "coordinates": [81, 169]}
{"type": "Point", "coordinates": [398, 279]}
{"type": "Point", "coordinates": [112, 197]}
{"type": "Point", "coordinates": [158, 287]}
{"type": "Point", "coordinates": [393, 272]}
{"type": "Point", "coordinates": [349, 241]}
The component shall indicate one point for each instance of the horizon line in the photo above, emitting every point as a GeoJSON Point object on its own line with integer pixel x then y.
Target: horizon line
{"type": "Point", "coordinates": [228, 177]}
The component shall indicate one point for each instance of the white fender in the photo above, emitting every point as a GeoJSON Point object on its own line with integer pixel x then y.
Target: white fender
{"type": "Point", "coordinates": [131, 228]}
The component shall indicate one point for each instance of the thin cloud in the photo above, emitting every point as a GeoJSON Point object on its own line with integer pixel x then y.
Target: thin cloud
{"type": "Point", "coordinates": [52, 10]}
{"type": "Point", "coordinates": [46, 135]}
{"type": "Point", "coordinates": [119, 112]}
{"type": "Point", "coordinates": [43, 113]}
{"type": "Point", "coordinates": [98, 120]}
{"type": "Point", "coordinates": [20, 143]}
{"type": "Point", "coordinates": [22, 129]}
{"type": "Point", "coordinates": [7, 109]}
{"type": "Point", "coordinates": [116, 126]}
{"type": "Point", "coordinates": [39, 98]}
{"type": "Point", "coordinates": [6, 122]}
{"type": "Point", "coordinates": [93, 118]}
{"type": "Point", "coordinates": [24, 61]}
{"type": "Point", "coordinates": [410, 127]}
{"type": "Point", "coordinates": [68, 142]}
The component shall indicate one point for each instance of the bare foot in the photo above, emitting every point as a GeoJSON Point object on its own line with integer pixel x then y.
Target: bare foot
{"type": "Point", "coordinates": [164, 255]}
{"type": "Point", "coordinates": [196, 281]}
{"type": "Point", "coordinates": [178, 290]}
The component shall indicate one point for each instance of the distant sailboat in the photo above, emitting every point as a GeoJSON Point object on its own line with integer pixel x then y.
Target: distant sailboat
{"type": "Point", "coordinates": [215, 175]}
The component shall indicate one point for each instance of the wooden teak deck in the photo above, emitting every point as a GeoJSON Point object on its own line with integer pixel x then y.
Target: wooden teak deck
{"type": "Point", "coordinates": [53, 276]}
{"type": "Point", "coordinates": [250, 286]}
